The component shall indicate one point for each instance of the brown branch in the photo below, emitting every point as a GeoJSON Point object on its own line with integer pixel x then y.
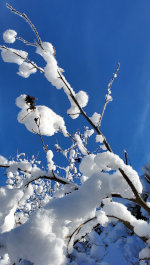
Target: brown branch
{"type": "Point", "coordinates": [138, 198]}
{"type": "Point", "coordinates": [83, 112]}
{"type": "Point", "coordinates": [54, 178]}
{"type": "Point", "coordinates": [37, 121]}
{"type": "Point", "coordinates": [146, 258]}
{"type": "Point", "coordinates": [126, 157]}
{"type": "Point", "coordinates": [77, 230]}
{"type": "Point", "coordinates": [129, 226]}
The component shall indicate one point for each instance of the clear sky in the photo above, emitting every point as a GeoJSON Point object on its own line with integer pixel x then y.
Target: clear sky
{"type": "Point", "coordinates": [90, 38]}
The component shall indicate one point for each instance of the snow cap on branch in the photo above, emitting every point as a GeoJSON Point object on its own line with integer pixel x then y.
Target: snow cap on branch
{"type": "Point", "coordinates": [40, 119]}
{"type": "Point", "coordinates": [95, 118]}
{"type": "Point", "coordinates": [26, 69]}
{"type": "Point", "coordinates": [9, 56]}
{"type": "Point", "coordinates": [9, 36]}
{"type": "Point", "coordinates": [82, 99]}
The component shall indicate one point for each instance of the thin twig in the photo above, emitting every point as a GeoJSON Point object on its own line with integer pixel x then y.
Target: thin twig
{"type": "Point", "coordinates": [25, 116]}
{"type": "Point", "coordinates": [54, 177]}
{"type": "Point", "coordinates": [23, 15]}
{"type": "Point", "coordinates": [77, 230]}
{"type": "Point", "coordinates": [26, 42]}
{"type": "Point", "coordinates": [126, 157]}
{"type": "Point", "coordinates": [74, 140]}
{"type": "Point", "coordinates": [37, 121]}
{"type": "Point", "coordinates": [83, 112]}
{"type": "Point", "coordinates": [129, 226]}
{"type": "Point", "coordinates": [108, 94]}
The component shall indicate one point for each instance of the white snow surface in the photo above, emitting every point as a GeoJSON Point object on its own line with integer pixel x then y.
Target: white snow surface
{"type": "Point", "coordinates": [46, 230]}
{"type": "Point", "coordinates": [114, 183]}
{"type": "Point", "coordinates": [8, 205]}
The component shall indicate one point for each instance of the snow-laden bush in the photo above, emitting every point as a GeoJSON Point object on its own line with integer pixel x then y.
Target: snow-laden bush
{"type": "Point", "coordinates": [95, 210]}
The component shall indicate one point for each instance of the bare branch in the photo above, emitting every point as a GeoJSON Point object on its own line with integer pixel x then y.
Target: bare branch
{"type": "Point", "coordinates": [54, 177]}
{"type": "Point", "coordinates": [23, 15]}
{"type": "Point", "coordinates": [77, 230]}
{"type": "Point", "coordinates": [83, 112]}
{"type": "Point", "coordinates": [26, 42]}
{"type": "Point", "coordinates": [126, 157]}
{"type": "Point", "coordinates": [129, 226]}
{"type": "Point", "coordinates": [37, 121]}
{"type": "Point", "coordinates": [107, 100]}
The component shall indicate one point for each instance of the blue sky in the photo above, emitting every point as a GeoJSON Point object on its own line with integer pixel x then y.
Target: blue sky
{"type": "Point", "coordinates": [90, 38]}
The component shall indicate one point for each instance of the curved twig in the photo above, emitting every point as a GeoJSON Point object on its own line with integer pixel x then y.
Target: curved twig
{"type": "Point", "coordinates": [108, 93]}
{"type": "Point", "coordinates": [77, 230]}
{"type": "Point", "coordinates": [23, 15]}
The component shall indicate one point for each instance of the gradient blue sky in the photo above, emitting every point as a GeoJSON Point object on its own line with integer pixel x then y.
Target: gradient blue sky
{"type": "Point", "coordinates": [90, 37]}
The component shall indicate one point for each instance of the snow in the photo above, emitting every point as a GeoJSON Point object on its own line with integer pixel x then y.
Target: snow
{"type": "Point", "coordinates": [88, 166]}
{"type": "Point", "coordinates": [95, 118]}
{"type": "Point", "coordinates": [52, 73]}
{"type": "Point", "coordinates": [3, 160]}
{"type": "Point", "coordinates": [51, 68]}
{"type": "Point", "coordinates": [99, 138]}
{"type": "Point", "coordinates": [80, 144]}
{"type": "Point", "coordinates": [41, 120]}
{"type": "Point", "coordinates": [82, 98]}
{"type": "Point", "coordinates": [8, 205]}
{"type": "Point", "coordinates": [107, 160]}
{"type": "Point", "coordinates": [47, 249]}
{"type": "Point", "coordinates": [9, 36]}
{"type": "Point", "coordinates": [88, 133]}
{"type": "Point", "coordinates": [26, 69]}
{"type": "Point", "coordinates": [144, 253]}
{"type": "Point", "coordinates": [92, 164]}
{"type": "Point", "coordinates": [13, 56]}
{"type": "Point", "coordinates": [119, 211]}
{"type": "Point", "coordinates": [50, 162]}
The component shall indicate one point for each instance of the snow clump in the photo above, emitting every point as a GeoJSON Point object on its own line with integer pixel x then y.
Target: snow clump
{"type": "Point", "coordinates": [13, 56]}
{"type": "Point", "coordinates": [40, 119]}
{"type": "Point", "coordinates": [9, 36]}
{"type": "Point", "coordinates": [26, 69]}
